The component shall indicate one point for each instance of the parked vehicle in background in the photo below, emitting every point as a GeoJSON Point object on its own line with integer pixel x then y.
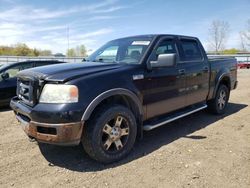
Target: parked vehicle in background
{"type": "Point", "coordinates": [127, 86]}
{"type": "Point", "coordinates": [8, 81]}
{"type": "Point", "coordinates": [243, 65]}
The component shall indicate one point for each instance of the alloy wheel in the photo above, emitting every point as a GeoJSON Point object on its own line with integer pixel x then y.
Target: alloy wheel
{"type": "Point", "coordinates": [222, 99]}
{"type": "Point", "coordinates": [115, 134]}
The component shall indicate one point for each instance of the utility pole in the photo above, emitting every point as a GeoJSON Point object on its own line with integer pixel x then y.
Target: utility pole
{"type": "Point", "coordinates": [68, 37]}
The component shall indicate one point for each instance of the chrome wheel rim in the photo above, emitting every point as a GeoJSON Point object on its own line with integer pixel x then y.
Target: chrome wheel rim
{"type": "Point", "coordinates": [222, 99]}
{"type": "Point", "coordinates": [115, 134]}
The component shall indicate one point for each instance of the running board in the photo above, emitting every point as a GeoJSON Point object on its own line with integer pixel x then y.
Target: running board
{"type": "Point", "coordinates": [173, 118]}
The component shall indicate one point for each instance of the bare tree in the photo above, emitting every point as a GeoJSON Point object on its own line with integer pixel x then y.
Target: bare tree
{"type": "Point", "coordinates": [218, 33]}
{"type": "Point", "coordinates": [245, 36]}
{"type": "Point", "coordinates": [242, 42]}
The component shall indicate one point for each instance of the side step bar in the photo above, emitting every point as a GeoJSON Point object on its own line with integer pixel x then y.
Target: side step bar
{"type": "Point", "coordinates": [170, 119]}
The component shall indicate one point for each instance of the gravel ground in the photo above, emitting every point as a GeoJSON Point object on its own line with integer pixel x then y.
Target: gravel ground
{"type": "Point", "coordinates": [201, 150]}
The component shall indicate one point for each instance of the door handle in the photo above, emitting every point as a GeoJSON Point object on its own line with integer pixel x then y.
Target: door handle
{"type": "Point", "coordinates": [205, 69]}
{"type": "Point", "coordinates": [182, 72]}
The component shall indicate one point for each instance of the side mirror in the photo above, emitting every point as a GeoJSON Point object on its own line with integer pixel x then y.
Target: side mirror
{"type": "Point", "coordinates": [5, 76]}
{"type": "Point", "coordinates": [164, 60]}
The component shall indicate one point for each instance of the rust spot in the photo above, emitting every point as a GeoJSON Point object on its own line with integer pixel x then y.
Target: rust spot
{"type": "Point", "coordinates": [66, 133]}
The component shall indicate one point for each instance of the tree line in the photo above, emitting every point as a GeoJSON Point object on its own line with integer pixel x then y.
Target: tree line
{"type": "Point", "coordinates": [22, 49]}
{"type": "Point", "coordinates": [77, 51]}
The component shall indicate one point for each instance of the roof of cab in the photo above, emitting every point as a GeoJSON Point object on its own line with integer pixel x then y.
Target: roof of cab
{"type": "Point", "coordinates": [158, 35]}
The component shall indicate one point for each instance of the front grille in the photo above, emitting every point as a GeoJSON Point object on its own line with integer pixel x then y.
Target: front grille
{"type": "Point", "coordinates": [27, 91]}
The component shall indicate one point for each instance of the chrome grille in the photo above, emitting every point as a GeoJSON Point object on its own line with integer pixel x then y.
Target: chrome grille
{"type": "Point", "coordinates": [25, 91]}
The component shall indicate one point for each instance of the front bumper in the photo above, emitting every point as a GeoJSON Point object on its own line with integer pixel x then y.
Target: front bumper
{"type": "Point", "coordinates": [52, 133]}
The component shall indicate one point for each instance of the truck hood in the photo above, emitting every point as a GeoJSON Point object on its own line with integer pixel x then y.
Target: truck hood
{"type": "Point", "coordinates": [67, 71]}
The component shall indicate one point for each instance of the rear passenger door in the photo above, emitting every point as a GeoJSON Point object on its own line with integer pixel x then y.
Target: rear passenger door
{"type": "Point", "coordinates": [196, 69]}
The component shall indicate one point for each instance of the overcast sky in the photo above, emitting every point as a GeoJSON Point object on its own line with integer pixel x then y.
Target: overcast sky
{"type": "Point", "coordinates": [43, 23]}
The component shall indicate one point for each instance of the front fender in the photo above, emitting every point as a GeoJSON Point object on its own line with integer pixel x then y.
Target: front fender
{"type": "Point", "coordinates": [112, 92]}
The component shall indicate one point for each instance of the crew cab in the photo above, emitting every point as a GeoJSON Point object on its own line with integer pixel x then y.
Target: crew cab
{"type": "Point", "coordinates": [128, 86]}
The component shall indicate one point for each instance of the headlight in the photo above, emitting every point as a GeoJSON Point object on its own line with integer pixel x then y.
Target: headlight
{"type": "Point", "coordinates": [54, 93]}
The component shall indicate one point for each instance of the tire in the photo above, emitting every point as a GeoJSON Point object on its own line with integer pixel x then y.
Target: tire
{"type": "Point", "coordinates": [219, 103]}
{"type": "Point", "coordinates": [110, 134]}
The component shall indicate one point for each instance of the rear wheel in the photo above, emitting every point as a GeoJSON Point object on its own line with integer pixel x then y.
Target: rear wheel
{"type": "Point", "coordinates": [219, 103]}
{"type": "Point", "coordinates": [110, 134]}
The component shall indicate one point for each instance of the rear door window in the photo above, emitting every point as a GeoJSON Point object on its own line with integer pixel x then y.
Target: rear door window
{"type": "Point", "coordinates": [190, 50]}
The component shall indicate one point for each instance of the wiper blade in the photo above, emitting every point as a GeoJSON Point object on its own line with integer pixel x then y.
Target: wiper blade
{"type": "Point", "coordinates": [98, 60]}
{"type": "Point", "coordinates": [84, 60]}
{"type": "Point", "coordinates": [107, 61]}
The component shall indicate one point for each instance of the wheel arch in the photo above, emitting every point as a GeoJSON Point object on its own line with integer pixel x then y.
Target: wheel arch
{"type": "Point", "coordinates": [225, 79]}
{"type": "Point", "coordinates": [118, 96]}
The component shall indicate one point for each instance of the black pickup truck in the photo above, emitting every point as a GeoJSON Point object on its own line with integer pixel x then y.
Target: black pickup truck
{"type": "Point", "coordinates": [128, 86]}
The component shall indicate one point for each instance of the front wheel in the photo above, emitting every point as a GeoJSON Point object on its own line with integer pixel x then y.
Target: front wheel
{"type": "Point", "coordinates": [110, 134]}
{"type": "Point", "coordinates": [219, 103]}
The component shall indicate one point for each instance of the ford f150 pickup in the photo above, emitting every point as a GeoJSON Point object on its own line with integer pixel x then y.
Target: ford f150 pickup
{"type": "Point", "coordinates": [128, 86]}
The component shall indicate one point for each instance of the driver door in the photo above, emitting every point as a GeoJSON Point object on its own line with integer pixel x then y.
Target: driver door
{"type": "Point", "coordinates": [165, 85]}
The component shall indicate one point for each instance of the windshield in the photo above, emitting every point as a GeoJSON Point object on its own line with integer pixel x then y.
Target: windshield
{"type": "Point", "coordinates": [126, 50]}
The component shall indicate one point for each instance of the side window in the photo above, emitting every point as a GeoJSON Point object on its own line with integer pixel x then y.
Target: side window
{"type": "Point", "coordinates": [165, 47]}
{"type": "Point", "coordinates": [39, 64]}
{"type": "Point", "coordinates": [190, 50]}
{"type": "Point", "coordinates": [26, 66]}
{"type": "Point", "coordinates": [13, 71]}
